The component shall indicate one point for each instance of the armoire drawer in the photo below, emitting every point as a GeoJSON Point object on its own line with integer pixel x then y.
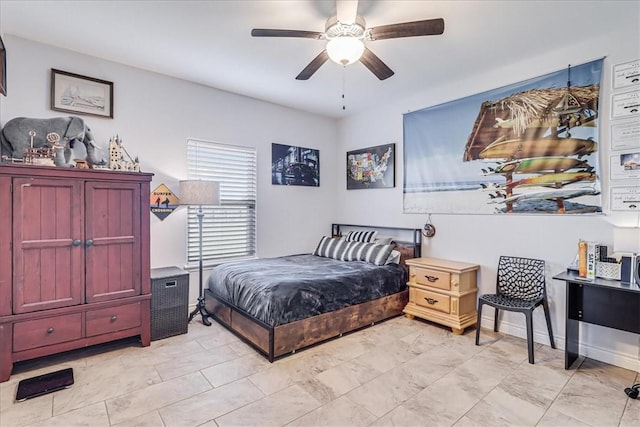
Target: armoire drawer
{"type": "Point", "coordinates": [112, 319]}
{"type": "Point", "coordinates": [42, 332]}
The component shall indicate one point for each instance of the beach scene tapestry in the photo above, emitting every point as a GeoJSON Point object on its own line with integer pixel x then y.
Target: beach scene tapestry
{"type": "Point", "coordinates": [527, 148]}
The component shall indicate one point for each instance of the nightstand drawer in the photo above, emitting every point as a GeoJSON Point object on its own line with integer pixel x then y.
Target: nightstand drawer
{"type": "Point", "coordinates": [49, 331]}
{"type": "Point", "coordinates": [432, 278]}
{"type": "Point", "coordinates": [430, 300]}
{"type": "Point", "coordinates": [113, 319]}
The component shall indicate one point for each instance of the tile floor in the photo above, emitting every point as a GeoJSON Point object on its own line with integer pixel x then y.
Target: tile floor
{"type": "Point", "coordinates": [398, 373]}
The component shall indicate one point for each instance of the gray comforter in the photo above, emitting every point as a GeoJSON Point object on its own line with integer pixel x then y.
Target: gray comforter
{"type": "Point", "coordinates": [285, 289]}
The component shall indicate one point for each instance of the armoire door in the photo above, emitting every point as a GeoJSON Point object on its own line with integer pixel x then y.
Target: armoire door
{"type": "Point", "coordinates": [112, 240]}
{"type": "Point", "coordinates": [48, 256]}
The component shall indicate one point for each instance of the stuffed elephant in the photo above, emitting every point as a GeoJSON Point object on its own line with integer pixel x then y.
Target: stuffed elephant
{"type": "Point", "coordinates": [15, 138]}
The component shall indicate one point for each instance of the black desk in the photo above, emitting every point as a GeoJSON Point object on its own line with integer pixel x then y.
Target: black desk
{"type": "Point", "coordinates": [602, 302]}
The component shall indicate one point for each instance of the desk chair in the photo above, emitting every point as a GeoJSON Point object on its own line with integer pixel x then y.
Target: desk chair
{"type": "Point", "coordinates": [520, 286]}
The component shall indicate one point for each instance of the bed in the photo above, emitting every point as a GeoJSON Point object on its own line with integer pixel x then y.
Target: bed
{"type": "Point", "coordinates": [284, 304]}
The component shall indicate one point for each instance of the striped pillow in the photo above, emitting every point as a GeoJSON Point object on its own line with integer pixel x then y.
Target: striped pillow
{"type": "Point", "coordinates": [368, 252]}
{"type": "Point", "coordinates": [361, 236]}
{"type": "Point", "coordinates": [330, 247]}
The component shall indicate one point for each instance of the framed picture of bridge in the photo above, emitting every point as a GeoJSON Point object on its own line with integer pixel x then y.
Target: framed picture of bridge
{"type": "Point", "coordinates": [73, 93]}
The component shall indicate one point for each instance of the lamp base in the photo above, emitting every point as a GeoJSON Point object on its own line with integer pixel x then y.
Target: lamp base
{"type": "Point", "coordinates": [203, 312]}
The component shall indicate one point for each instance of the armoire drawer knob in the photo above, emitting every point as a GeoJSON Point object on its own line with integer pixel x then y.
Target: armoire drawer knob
{"type": "Point", "coordinates": [50, 330]}
{"type": "Point", "coordinates": [114, 318]}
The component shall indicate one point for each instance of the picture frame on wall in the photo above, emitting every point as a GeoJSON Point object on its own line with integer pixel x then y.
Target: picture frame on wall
{"type": "Point", "coordinates": [77, 94]}
{"type": "Point", "coordinates": [293, 165]}
{"type": "Point", "coordinates": [372, 167]}
{"type": "Point", "coordinates": [3, 68]}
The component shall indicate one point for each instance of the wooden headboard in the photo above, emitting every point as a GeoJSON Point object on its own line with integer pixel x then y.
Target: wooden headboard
{"type": "Point", "coordinates": [408, 241]}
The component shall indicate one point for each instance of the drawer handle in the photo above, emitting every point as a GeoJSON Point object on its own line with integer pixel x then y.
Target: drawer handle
{"type": "Point", "coordinates": [114, 318]}
{"type": "Point", "coordinates": [431, 300]}
{"type": "Point", "coordinates": [432, 278]}
{"type": "Point", "coordinates": [50, 330]}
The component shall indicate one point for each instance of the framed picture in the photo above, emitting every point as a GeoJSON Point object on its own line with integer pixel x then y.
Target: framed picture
{"type": "Point", "coordinates": [3, 68]}
{"type": "Point", "coordinates": [73, 93]}
{"type": "Point", "coordinates": [625, 104]}
{"type": "Point", "coordinates": [291, 165]}
{"type": "Point", "coordinates": [626, 74]}
{"type": "Point", "coordinates": [372, 167]}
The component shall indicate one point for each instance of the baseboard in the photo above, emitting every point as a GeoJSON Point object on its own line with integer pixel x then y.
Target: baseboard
{"type": "Point", "coordinates": [623, 360]}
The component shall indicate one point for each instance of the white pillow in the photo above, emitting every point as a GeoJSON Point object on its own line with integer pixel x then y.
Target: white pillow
{"type": "Point", "coordinates": [383, 240]}
{"type": "Point", "coordinates": [394, 257]}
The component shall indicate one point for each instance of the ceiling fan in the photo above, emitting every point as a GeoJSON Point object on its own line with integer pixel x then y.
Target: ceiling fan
{"type": "Point", "coordinates": [345, 34]}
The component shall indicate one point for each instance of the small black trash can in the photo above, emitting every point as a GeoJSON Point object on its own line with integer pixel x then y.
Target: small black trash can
{"type": "Point", "coordinates": [169, 302]}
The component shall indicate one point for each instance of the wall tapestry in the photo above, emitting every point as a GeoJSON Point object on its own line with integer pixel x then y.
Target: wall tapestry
{"type": "Point", "coordinates": [292, 165]}
{"type": "Point", "coordinates": [372, 167]}
{"type": "Point", "coordinates": [530, 147]}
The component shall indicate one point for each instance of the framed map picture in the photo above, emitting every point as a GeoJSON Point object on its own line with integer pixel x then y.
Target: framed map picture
{"type": "Point", "coordinates": [372, 167]}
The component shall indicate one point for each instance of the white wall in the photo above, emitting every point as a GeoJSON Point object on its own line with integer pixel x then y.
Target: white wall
{"type": "Point", "coordinates": [482, 239]}
{"type": "Point", "coordinates": [154, 116]}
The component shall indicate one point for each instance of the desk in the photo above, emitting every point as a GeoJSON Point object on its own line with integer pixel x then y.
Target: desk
{"type": "Point", "coordinates": [601, 302]}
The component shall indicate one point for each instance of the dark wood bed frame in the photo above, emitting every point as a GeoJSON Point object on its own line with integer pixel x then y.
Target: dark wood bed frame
{"type": "Point", "coordinates": [275, 342]}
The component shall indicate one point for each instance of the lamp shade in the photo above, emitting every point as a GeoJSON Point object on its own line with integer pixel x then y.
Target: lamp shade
{"type": "Point", "coordinates": [626, 239]}
{"type": "Point", "coordinates": [345, 50]}
{"type": "Point", "coordinates": [199, 192]}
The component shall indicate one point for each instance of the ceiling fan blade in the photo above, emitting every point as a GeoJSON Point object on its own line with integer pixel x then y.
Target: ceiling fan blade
{"type": "Point", "coordinates": [429, 27]}
{"type": "Point", "coordinates": [313, 66]}
{"type": "Point", "coordinates": [265, 32]}
{"type": "Point", "coordinates": [375, 65]}
{"type": "Point", "coordinates": [346, 11]}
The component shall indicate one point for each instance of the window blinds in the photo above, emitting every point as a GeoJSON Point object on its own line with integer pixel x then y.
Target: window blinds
{"type": "Point", "coordinates": [228, 230]}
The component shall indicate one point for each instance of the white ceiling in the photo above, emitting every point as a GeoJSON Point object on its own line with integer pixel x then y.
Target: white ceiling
{"type": "Point", "coordinates": [209, 42]}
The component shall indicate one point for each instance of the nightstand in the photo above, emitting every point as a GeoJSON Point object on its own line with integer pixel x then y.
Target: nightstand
{"type": "Point", "coordinates": [443, 291]}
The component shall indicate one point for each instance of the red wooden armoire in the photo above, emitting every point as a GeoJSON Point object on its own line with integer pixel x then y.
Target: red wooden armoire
{"type": "Point", "coordinates": [74, 260]}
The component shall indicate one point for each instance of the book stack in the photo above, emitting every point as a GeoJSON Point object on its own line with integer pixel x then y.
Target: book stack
{"type": "Point", "coordinates": [587, 259]}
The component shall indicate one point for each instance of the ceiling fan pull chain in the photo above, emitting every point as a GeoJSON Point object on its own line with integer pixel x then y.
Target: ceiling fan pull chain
{"type": "Point", "coordinates": [343, 86]}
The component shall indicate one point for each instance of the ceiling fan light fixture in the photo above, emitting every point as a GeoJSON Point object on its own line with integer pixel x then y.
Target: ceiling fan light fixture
{"type": "Point", "coordinates": [345, 50]}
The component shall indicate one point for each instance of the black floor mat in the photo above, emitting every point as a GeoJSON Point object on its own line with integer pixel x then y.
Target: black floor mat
{"type": "Point", "coordinates": [43, 384]}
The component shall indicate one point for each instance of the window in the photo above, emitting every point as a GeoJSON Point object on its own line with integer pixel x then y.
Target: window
{"type": "Point", "coordinates": [228, 230]}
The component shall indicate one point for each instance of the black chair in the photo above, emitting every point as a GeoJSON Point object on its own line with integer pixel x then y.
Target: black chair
{"type": "Point", "coordinates": [520, 286]}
